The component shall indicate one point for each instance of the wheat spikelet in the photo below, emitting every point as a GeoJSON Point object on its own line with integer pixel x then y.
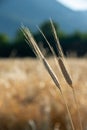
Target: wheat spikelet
{"type": "Point", "coordinates": [65, 72]}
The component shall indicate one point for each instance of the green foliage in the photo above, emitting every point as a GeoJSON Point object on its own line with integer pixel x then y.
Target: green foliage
{"type": "Point", "coordinates": [4, 38]}
{"type": "Point", "coordinates": [21, 47]}
{"type": "Point", "coordinates": [19, 37]}
{"type": "Point", "coordinates": [76, 42]}
{"type": "Point", "coordinates": [5, 46]}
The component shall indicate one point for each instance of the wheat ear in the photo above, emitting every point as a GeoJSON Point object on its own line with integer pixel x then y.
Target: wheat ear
{"type": "Point", "coordinates": [37, 51]}
{"type": "Point", "coordinates": [65, 72]}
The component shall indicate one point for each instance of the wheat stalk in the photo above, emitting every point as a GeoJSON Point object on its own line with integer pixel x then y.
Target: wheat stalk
{"type": "Point", "coordinates": [65, 72]}
{"type": "Point", "coordinates": [38, 53]}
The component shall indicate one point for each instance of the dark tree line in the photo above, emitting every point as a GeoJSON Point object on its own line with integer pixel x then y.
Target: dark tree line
{"type": "Point", "coordinates": [74, 43]}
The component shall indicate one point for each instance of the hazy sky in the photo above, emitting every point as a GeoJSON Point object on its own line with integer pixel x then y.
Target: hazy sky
{"type": "Point", "coordinates": [75, 4]}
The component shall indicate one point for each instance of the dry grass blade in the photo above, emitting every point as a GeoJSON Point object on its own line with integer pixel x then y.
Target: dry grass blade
{"type": "Point", "coordinates": [37, 51]}
{"type": "Point", "coordinates": [65, 73]}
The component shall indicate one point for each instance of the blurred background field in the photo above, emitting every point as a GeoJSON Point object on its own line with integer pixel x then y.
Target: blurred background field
{"type": "Point", "coordinates": [28, 97]}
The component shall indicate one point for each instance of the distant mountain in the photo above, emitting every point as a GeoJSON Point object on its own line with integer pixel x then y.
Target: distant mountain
{"type": "Point", "coordinates": [35, 12]}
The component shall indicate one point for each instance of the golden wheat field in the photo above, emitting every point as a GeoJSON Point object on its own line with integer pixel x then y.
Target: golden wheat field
{"type": "Point", "coordinates": [29, 100]}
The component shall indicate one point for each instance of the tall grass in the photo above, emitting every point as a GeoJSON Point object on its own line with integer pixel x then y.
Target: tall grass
{"type": "Point", "coordinates": [58, 59]}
